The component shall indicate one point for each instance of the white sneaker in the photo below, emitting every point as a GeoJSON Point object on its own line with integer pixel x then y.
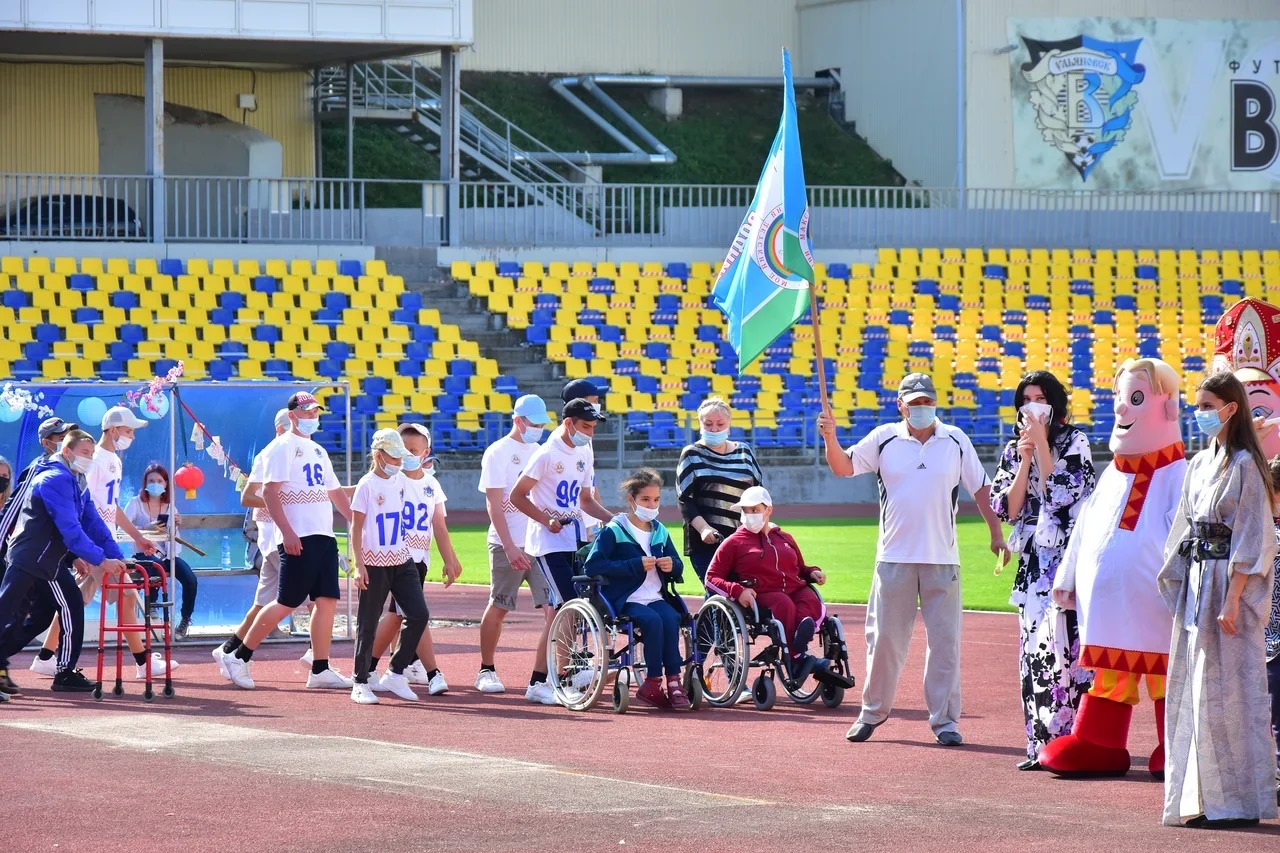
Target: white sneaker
{"type": "Point", "coordinates": [221, 657]}
{"type": "Point", "coordinates": [238, 672]}
{"type": "Point", "coordinates": [744, 698]}
{"type": "Point", "coordinates": [158, 660]}
{"type": "Point", "coordinates": [541, 693]}
{"type": "Point", "coordinates": [416, 673]}
{"type": "Point", "coordinates": [398, 685]}
{"type": "Point", "coordinates": [329, 678]}
{"type": "Point", "coordinates": [45, 667]}
{"type": "Point", "coordinates": [375, 683]}
{"type": "Point", "coordinates": [362, 694]}
{"type": "Point", "coordinates": [157, 666]}
{"type": "Point", "coordinates": [582, 678]}
{"type": "Point", "coordinates": [437, 685]}
{"type": "Point", "coordinates": [487, 681]}
{"type": "Point", "coordinates": [308, 658]}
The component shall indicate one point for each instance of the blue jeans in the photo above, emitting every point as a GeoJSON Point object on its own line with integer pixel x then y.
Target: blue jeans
{"type": "Point", "coordinates": [701, 561]}
{"type": "Point", "coordinates": [182, 574]}
{"type": "Point", "coordinates": [660, 624]}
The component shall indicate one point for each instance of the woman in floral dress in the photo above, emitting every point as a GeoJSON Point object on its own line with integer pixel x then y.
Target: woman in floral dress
{"type": "Point", "coordinates": [1042, 510]}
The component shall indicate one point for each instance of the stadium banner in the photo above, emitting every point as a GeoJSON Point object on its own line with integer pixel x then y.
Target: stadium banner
{"type": "Point", "coordinates": [764, 286]}
{"type": "Point", "coordinates": [1145, 103]}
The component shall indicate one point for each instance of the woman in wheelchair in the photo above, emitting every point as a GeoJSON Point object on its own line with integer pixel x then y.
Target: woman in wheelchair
{"type": "Point", "coordinates": [635, 554]}
{"type": "Point", "coordinates": [761, 564]}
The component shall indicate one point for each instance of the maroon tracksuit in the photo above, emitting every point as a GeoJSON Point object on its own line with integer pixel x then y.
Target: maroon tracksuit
{"type": "Point", "coordinates": [770, 563]}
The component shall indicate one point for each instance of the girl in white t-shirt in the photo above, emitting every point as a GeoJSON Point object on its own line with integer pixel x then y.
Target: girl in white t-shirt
{"type": "Point", "coordinates": [384, 565]}
{"type": "Point", "coordinates": [636, 554]}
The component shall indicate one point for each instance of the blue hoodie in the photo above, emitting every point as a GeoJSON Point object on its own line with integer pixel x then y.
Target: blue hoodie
{"type": "Point", "coordinates": [58, 521]}
{"type": "Point", "coordinates": [616, 556]}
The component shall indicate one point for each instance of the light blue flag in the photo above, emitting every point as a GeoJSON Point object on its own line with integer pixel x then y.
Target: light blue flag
{"type": "Point", "coordinates": [763, 287]}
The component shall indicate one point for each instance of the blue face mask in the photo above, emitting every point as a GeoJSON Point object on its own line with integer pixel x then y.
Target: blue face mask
{"type": "Point", "coordinates": [532, 435]}
{"type": "Point", "coordinates": [580, 439]}
{"type": "Point", "coordinates": [391, 470]}
{"type": "Point", "coordinates": [155, 489]}
{"type": "Point", "coordinates": [715, 439]}
{"type": "Point", "coordinates": [921, 417]}
{"type": "Point", "coordinates": [308, 426]}
{"type": "Point", "coordinates": [1209, 422]}
{"type": "Point", "coordinates": [411, 463]}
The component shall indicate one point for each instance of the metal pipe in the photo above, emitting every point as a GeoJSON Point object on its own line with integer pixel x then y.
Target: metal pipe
{"type": "Point", "coordinates": [663, 154]}
{"type": "Point", "coordinates": [560, 88]}
{"type": "Point", "coordinates": [961, 87]}
{"type": "Point", "coordinates": [699, 82]}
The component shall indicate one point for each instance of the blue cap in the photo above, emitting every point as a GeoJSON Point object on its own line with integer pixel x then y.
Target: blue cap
{"type": "Point", "coordinates": [581, 388]}
{"type": "Point", "coordinates": [531, 408]}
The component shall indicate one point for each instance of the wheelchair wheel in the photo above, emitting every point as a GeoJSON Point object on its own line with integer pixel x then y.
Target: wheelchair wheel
{"type": "Point", "coordinates": [577, 655]}
{"type": "Point", "coordinates": [622, 691]}
{"type": "Point", "coordinates": [763, 692]}
{"type": "Point", "coordinates": [720, 636]}
{"type": "Point", "coordinates": [832, 695]}
{"type": "Point", "coordinates": [693, 687]}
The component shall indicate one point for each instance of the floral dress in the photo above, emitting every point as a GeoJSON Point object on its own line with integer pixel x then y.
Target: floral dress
{"type": "Point", "coordinates": [1049, 640]}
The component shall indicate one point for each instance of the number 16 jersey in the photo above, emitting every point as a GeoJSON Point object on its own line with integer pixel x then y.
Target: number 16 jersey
{"type": "Point", "coordinates": [305, 474]}
{"type": "Point", "coordinates": [562, 473]}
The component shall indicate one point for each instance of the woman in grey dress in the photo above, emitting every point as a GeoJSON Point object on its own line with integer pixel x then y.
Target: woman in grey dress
{"type": "Point", "coordinates": [1217, 581]}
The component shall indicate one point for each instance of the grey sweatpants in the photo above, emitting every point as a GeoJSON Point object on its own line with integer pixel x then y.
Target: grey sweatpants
{"type": "Point", "coordinates": [891, 618]}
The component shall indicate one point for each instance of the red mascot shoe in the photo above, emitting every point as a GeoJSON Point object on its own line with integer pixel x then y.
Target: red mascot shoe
{"type": "Point", "coordinates": [1096, 745]}
{"type": "Point", "coordinates": [1156, 764]}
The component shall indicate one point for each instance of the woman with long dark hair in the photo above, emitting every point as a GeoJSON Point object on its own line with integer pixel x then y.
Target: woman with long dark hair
{"type": "Point", "coordinates": [1045, 471]}
{"type": "Point", "coordinates": [1217, 580]}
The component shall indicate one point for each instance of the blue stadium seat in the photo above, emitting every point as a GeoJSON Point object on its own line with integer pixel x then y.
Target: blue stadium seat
{"type": "Point", "coordinates": [540, 335]}
{"type": "Point", "coordinates": [456, 385]}
{"type": "Point", "coordinates": [677, 269]}
{"type": "Point", "coordinates": [266, 332]}
{"type": "Point", "coordinates": [462, 367]}
{"type": "Point", "coordinates": [927, 287]}
{"type": "Point", "coordinates": [995, 271]}
{"type": "Point", "coordinates": [231, 300]}
{"type": "Point", "coordinates": [172, 267]}
{"type": "Point", "coordinates": [352, 268]}
{"type": "Point", "coordinates": [232, 351]}
{"type": "Point", "coordinates": [222, 317]}
{"type": "Point", "coordinates": [336, 301]}
{"type": "Point", "coordinates": [120, 350]}
{"type": "Point", "coordinates": [1232, 287]}
{"type": "Point", "coordinates": [27, 369]}
{"type": "Point", "coordinates": [163, 365]}
{"type": "Point", "coordinates": [81, 282]}
{"type": "Point", "coordinates": [109, 368]}
{"type": "Point", "coordinates": [88, 316]}
{"type": "Point", "coordinates": [329, 317]}
{"type": "Point", "coordinates": [265, 284]}
{"type": "Point", "coordinates": [337, 350]}
{"type": "Point", "coordinates": [408, 367]}
{"type": "Point", "coordinates": [124, 299]}
{"type": "Point", "coordinates": [509, 269]}
{"type": "Point", "coordinates": [132, 333]}
{"type": "Point", "coordinates": [331, 368]}
{"type": "Point", "coordinates": [1081, 287]}
{"type": "Point", "coordinates": [584, 350]}
{"type": "Point", "coordinates": [36, 350]}
{"type": "Point", "coordinates": [838, 270]}
{"type": "Point", "coordinates": [601, 285]}
{"type": "Point", "coordinates": [609, 334]}
{"type": "Point", "coordinates": [374, 386]}
{"type": "Point", "coordinates": [15, 299]}
{"type": "Point", "coordinates": [1125, 302]}
{"type": "Point", "coordinates": [1147, 272]}
{"type": "Point", "coordinates": [948, 302]}
{"type": "Point", "coordinates": [48, 333]}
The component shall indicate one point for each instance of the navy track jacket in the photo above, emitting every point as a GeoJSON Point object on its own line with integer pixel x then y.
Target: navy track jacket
{"type": "Point", "coordinates": [56, 522]}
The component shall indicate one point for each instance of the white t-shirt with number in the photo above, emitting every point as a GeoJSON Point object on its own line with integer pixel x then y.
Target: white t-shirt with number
{"type": "Point", "coordinates": [305, 475]}
{"type": "Point", "coordinates": [588, 521]}
{"type": "Point", "coordinates": [266, 527]}
{"type": "Point", "coordinates": [501, 467]}
{"type": "Point", "coordinates": [562, 473]}
{"type": "Point", "coordinates": [422, 497]}
{"type": "Point", "coordinates": [104, 479]}
{"type": "Point", "coordinates": [382, 500]}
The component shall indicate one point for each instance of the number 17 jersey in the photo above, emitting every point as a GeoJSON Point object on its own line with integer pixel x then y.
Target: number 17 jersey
{"type": "Point", "coordinates": [305, 474]}
{"type": "Point", "coordinates": [562, 473]}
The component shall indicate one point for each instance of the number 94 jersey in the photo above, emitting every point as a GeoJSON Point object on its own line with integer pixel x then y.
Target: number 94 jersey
{"type": "Point", "coordinates": [305, 475]}
{"type": "Point", "coordinates": [562, 473]}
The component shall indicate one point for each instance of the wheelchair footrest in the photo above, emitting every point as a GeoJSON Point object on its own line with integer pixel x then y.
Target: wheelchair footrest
{"type": "Point", "coordinates": [834, 679]}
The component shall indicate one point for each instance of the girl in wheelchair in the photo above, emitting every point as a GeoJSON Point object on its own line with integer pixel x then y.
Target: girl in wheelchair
{"type": "Point", "coordinates": [635, 554]}
{"type": "Point", "coordinates": [761, 564]}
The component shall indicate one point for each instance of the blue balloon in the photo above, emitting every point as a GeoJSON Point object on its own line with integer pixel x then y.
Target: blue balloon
{"type": "Point", "coordinates": [89, 413]}
{"type": "Point", "coordinates": [160, 402]}
{"type": "Point", "coordinates": [9, 414]}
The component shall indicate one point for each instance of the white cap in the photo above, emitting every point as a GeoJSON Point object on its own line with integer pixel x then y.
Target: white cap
{"type": "Point", "coordinates": [282, 419]}
{"type": "Point", "coordinates": [754, 496]}
{"type": "Point", "coordinates": [121, 416]}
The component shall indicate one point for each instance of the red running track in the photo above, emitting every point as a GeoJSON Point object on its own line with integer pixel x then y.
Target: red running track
{"type": "Point", "coordinates": [283, 768]}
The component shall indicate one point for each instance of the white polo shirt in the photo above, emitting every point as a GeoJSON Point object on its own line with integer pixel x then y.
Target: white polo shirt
{"type": "Point", "coordinates": [919, 489]}
{"type": "Point", "coordinates": [422, 498]}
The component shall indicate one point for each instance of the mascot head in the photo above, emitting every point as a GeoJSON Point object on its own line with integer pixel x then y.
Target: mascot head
{"type": "Point", "coordinates": [1146, 407]}
{"type": "Point", "coordinates": [1248, 344]}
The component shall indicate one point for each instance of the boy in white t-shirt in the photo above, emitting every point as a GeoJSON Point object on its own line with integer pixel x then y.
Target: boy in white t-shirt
{"type": "Point", "coordinates": [384, 565]}
{"type": "Point", "coordinates": [301, 492]}
{"type": "Point", "coordinates": [424, 520]}
{"type": "Point", "coordinates": [554, 491]}
{"type": "Point", "coordinates": [509, 566]}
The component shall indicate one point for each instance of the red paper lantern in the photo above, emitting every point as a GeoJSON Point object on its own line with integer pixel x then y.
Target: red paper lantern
{"type": "Point", "coordinates": [190, 478]}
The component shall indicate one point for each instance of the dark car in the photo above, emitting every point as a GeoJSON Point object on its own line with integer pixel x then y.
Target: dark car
{"type": "Point", "coordinates": [71, 217]}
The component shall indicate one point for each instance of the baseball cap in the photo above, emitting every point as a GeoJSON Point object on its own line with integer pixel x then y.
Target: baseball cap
{"type": "Point", "coordinates": [282, 419]}
{"type": "Point", "coordinates": [121, 416]}
{"type": "Point", "coordinates": [583, 388]}
{"type": "Point", "coordinates": [583, 411]}
{"type": "Point", "coordinates": [390, 443]}
{"type": "Point", "coordinates": [531, 408]}
{"type": "Point", "coordinates": [418, 428]}
{"type": "Point", "coordinates": [305, 401]}
{"type": "Point", "coordinates": [915, 386]}
{"type": "Point", "coordinates": [754, 496]}
{"type": "Point", "coordinates": [54, 426]}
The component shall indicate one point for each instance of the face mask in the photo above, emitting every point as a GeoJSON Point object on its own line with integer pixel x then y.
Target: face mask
{"type": "Point", "coordinates": [308, 426]}
{"type": "Point", "coordinates": [645, 513]}
{"type": "Point", "coordinates": [580, 439]}
{"type": "Point", "coordinates": [715, 439]}
{"type": "Point", "coordinates": [1209, 422]}
{"type": "Point", "coordinates": [411, 463]}
{"type": "Point", "coordinates": [81, 464]}
{"type": "Point", "coordinates": [753, 521]}
{"type": "Point", "coordinates": [391, 470]}
{"type": "Point", "coordinates": [155, 489]}
{"type": "Point", "coordinates": [122, 443]}
{"type": "Point", "coordinates": [921, 417]}
{"type": "Point", "coordinates": [1040, 411]}
{"type": "Point", "coordinates": [4, 484]}
{"type": "Point", "coordinates": [532, 435]}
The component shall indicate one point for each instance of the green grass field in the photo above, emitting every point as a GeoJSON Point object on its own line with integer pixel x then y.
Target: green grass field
{"type": "Point", "coordinates": [845, 548]}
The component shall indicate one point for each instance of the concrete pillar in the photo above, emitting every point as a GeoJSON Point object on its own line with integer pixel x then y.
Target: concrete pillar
{"type": "Point", "coordinates": [351, 123]}
{"type": "Point", "coordinates": [450, 112]}
{"type": "Point", "coordinates": [153, 135]}
{"type": "Point", "coordinates": [668, 101]}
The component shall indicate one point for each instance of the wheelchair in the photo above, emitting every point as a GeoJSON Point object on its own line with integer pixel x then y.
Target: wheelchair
{"type": "Point", "coordinates": [592, 648]}
{"type": "Point", "coordinates": [723, 633]}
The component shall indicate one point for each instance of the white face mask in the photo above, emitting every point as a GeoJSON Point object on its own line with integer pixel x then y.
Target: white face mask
{"type": "Point", "coordinates": [646, 514]}
{"type": "Point", "coordinates": [753, 521]}
{"type": "Point", "coordinates": [1040, 411]}
{"type": "Point", "coordinates": [81, 464]}
{"type": "Point", "coordinates": [123, 442]}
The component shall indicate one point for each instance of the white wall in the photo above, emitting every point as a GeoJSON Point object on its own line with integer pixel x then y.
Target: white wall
{"type": "Point", "coordinates": [897, 61]}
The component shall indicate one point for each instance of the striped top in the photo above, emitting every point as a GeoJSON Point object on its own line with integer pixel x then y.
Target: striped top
{"type": "Point", "coordinates": [709, 484]}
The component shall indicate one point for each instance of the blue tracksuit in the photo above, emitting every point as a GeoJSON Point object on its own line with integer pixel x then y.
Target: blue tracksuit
{"type": "Point", "coordinates": [57, 522]}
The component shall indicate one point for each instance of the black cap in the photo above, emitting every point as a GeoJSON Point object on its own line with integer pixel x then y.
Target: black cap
{"type": "Point", "coordinates": [54, 426]}
{"type": "Point", "coordinates": [583, 411]}
{"type": "Point", "coordinates": [580, 388]}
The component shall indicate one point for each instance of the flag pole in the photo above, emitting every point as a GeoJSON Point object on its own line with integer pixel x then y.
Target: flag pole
{"type": "Point", "coordinates": [819, 356]}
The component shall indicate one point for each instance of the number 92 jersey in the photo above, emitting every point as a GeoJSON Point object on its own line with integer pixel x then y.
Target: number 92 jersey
{"type": "Point", "coordinates": [305, 475]}
{"type": "Point", "coordinates": [562, 473]}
